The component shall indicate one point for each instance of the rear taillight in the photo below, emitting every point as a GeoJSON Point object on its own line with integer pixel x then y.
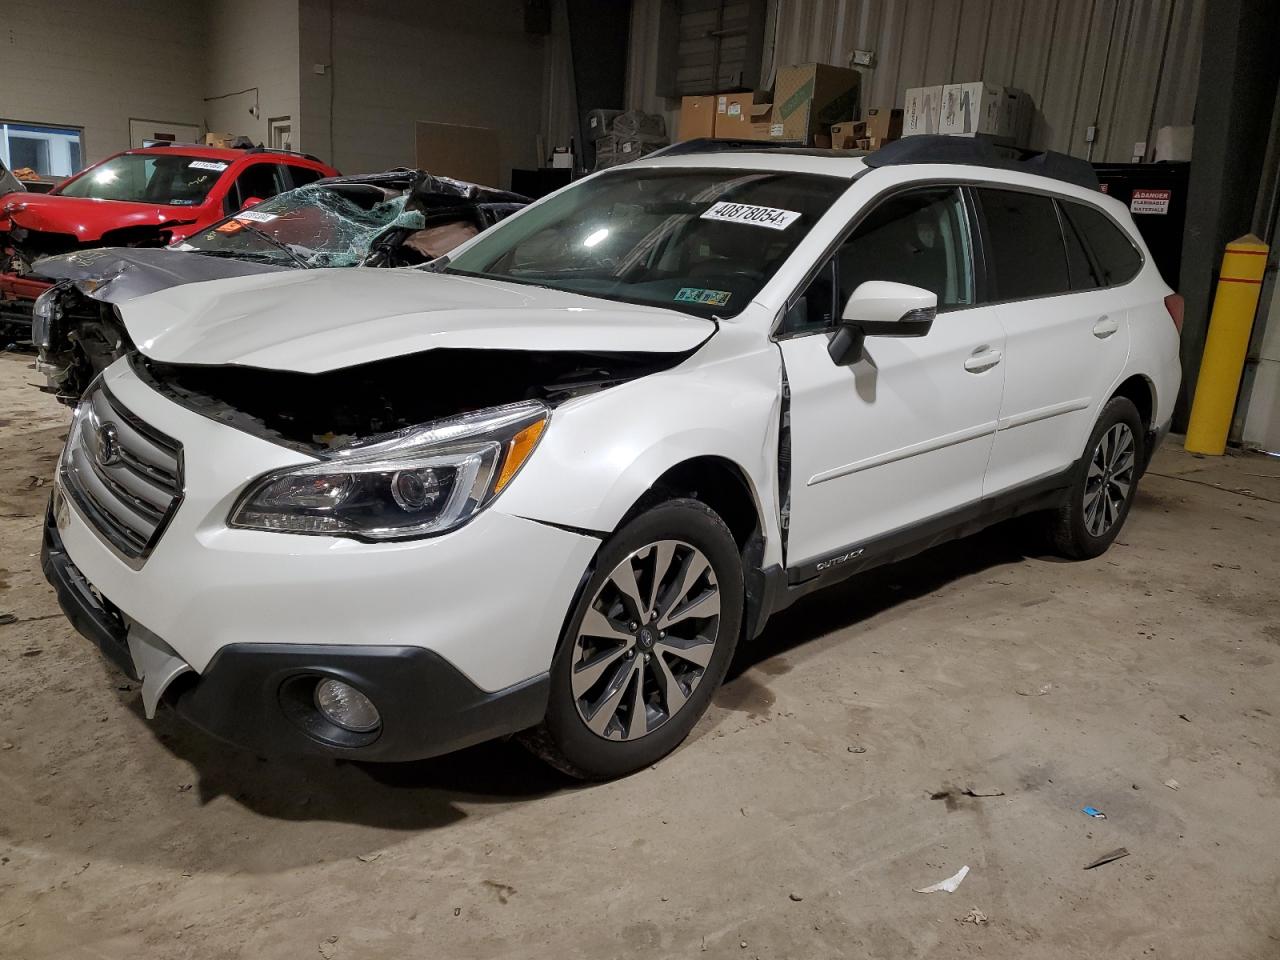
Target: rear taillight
{"type": "Point", "coordinates": [1175, 305]}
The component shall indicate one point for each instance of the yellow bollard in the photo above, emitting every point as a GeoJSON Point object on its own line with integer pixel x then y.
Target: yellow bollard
{"type": "Point", "coordinates": [1234, 305]}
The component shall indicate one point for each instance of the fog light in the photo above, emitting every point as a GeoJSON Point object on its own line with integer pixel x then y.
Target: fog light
{"type": "Point", "coordinates": [344, 705]}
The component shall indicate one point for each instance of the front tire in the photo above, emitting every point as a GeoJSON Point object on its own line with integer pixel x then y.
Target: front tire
{"type": "Point", "coordinates": [647, 644]}
{"type": "Point", "coordinates": [1105, 484]}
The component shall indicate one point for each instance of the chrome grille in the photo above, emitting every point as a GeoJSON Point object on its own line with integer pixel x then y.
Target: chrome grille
{"type": "Point", "coordinates": [125, 476]}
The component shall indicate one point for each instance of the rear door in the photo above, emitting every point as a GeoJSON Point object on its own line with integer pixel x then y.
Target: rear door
{"type": "Point", "coordinates": [1066, 343]}
{"type": "Point", "coordinates": [901, 437]}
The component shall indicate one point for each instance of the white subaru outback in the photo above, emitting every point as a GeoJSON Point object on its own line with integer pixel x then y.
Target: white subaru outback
{"type": "Point", "coordinates": [548, 486]}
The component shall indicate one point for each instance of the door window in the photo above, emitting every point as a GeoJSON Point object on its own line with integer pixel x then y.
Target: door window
{"type": "Point", "coordinates": [919, 237]}
{"type": "Point", "coordinates": [1117, 257]}
{"type": "Point", "coordinates": [261, 180]}
{"type": "Point", "coordinates": [304, 175]}
{"type": "Point", "coordinates": [1079, 266]}
{"type": "Point", "coordinates": [1025, 247]}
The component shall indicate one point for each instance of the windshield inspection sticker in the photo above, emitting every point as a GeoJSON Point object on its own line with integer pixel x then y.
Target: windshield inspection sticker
{"type": "Point", "coordinates": [770, 217]}
{"type": "Point", "coordinates": [255, 216]}
{"type": "Point", "coordinates": [710, 298]}
{"type": "Point", "coordinates": [207, 165]}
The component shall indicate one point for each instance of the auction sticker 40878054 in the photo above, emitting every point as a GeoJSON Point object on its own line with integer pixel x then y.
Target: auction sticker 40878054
{"type": "Point", "coordinates": [770, 217]}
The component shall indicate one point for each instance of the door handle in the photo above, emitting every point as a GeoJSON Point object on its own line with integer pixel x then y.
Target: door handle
{"type": "Point", "coordinates": [1105, 327]}
{"type": "Point", "coordinates": [983, 361]}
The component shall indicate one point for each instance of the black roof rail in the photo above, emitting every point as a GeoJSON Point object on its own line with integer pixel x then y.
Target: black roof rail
{"type": "Point", "coordinates": [247, 148]}
{"type": "Point", "coordinates": [928, 148]}
{"type": "Point", "coordinates": [291, 153]}
{"type": "Point", "coordinates": [686, 148]}
{"type": "Point", "coordinates": [972, 151]}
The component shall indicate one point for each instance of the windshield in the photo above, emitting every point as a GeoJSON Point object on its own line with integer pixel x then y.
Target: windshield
{"type": "Point", "coordinates": [313, 226]}
{"type": "Point", "coordinates": [703, 241]}
{"type": "Point", "coordinates": [148, 178]}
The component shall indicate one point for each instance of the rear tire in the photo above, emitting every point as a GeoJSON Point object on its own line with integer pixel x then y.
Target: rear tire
{"type": "Point", "coordinates": [1104, 486]}
{"type": "Point", "coordinates": [646, 646]}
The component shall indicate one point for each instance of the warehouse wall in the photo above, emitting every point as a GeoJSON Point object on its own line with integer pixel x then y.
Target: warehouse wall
{"type": "Point", "coordinates": [77, 62]}
{"type": "Point", "coordinates": [451, 61]}
{"type": "Point", "coordinates": [1128, 66]}
{"type": "Point", "coordinates": [252, 44]}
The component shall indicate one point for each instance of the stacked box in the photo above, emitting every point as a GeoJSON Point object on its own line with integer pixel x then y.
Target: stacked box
{"type": "Point", "coordinates": [697, 118]}
{"type": "Point", "coordinates": [923, 111]}
{"type": "Point", "coordinates": [971, 109]}
{"type": "Point", "coordinates": [600, 122]}
{"type": "Point", "coordinates": [810, 97]}
{"type": "Point", "coordinates": [634, 135]}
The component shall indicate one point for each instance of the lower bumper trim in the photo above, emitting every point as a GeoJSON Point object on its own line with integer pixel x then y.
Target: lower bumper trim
{"type": "Point", "coordinates": [428, 707]}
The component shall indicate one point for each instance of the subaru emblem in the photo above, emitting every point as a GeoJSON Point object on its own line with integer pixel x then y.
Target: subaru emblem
{"type": "Point", "coordinates": [108, 451]}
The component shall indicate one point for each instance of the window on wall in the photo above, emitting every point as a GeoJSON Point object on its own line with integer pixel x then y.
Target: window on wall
{"type": "Point", "coordinates": [52, 152]}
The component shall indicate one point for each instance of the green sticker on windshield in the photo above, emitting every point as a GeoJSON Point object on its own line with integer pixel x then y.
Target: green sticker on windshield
{"type": "Point", "coordinates": [710, 298]}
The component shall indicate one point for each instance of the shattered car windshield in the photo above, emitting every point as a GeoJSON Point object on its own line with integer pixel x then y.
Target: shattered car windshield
{"type": "Point", "coordinates": [703, 241]}
{"type": "Point", "coordinates": [314, 226]}
{"type": "Point", "coordinates": [148, 178]}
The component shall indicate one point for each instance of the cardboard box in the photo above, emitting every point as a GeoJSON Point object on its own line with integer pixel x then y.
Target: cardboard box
{"type": "Point", "coordinates": [809, 97]}
{"type": "Point", "coordinates": [871, 143]}
{"type": "Point", "coordinates": [844, 135]}
{"type": "Point", "coordinates": [883, 123]}
{"type": "Point", "coordinates": [1016, 111]}
{"type": "Point", "coordinates": [742, 118]}
{"type": "Point", "coordinates": [761, 126]}
{"type": "Point", "coordinates": [733, 115]}
{"type": "Point", "coordinates": [969, 109]}
{"type": "Point", "coordinates": [600, 123]}
{"type": "Point", "coordinates": [220, 140]}
{"type": "Point", "coordinates": [697, 118]}
{"type": "Point", "coordinates": [923, 111]}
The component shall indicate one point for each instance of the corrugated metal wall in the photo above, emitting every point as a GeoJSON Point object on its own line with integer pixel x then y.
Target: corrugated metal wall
{"type": "Point", "coordinates": [1128, 65]}
{"type": "Point", "coordinates": [1131, 65]}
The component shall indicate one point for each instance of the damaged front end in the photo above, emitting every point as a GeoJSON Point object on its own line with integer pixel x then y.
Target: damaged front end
{"type": "Point", "coordinates": [77, 337]}
{"type": "Point", "coordinates": [318, 413]}
{"type": "Point", "coordinates": [23, 246]}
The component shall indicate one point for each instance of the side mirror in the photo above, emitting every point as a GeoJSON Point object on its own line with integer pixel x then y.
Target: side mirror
{"type": "Point", "coordinates": [251, 202]}
{"type": "Point", "coordinates": [880, 308]}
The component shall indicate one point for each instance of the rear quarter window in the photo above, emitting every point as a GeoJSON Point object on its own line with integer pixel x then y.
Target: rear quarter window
{"type": "Point", "coordinates": [1025, 245]}
{"type": "Point", "coordinates": [1117, 258]}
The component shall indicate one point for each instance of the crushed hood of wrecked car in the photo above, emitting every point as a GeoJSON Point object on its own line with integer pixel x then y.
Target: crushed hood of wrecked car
{"type": "Point", "coordinates": [137, 271]}
{"type": "Point", "coordinates": [319, 320]}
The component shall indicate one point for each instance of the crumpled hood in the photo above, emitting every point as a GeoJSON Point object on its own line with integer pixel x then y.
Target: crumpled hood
{"type": "Point", "coordinates": [311, 321]}
{"type": "Point", "coordinates": [85, 218]}
{"type": "Point", "coordinates": [137, 271]}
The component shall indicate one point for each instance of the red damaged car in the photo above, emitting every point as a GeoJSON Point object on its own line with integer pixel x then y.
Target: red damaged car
{"type": "Point", "coordinates": [140, 198]}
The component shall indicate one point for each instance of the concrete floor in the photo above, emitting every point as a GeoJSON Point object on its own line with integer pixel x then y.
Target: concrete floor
{"type": "Point", "coordinates": [795, 822]}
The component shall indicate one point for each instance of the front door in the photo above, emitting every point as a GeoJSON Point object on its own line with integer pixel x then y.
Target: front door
{"type": "Point", "coordinates": [902, 436]}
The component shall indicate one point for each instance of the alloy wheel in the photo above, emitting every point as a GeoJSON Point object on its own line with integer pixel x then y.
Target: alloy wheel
{"type": "Point", "coordinates": [1109, 479]}
{"type": "Point", "coordinates": [646, 640]}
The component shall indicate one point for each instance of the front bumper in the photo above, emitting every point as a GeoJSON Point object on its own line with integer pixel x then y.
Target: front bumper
{"type": "Point", "coordinates": [454, 633]}
{"type": "Point", "coordinates": [490, 597]}
{"type": "Point", "coordinates": [258, 695]}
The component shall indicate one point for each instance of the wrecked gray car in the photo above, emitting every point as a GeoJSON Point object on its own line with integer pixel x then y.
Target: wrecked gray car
{"type": "Point", "coordinates": [395, 219]}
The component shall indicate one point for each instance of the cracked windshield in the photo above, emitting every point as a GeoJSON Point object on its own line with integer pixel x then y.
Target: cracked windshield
{"type": "Point", "coordinates": [313, 226]}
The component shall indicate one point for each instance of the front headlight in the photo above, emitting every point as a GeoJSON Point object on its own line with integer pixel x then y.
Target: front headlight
{"type": "Point", "coordinates": [45, 313]}
{"type": "Point", "coordinates": [413, 483]}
